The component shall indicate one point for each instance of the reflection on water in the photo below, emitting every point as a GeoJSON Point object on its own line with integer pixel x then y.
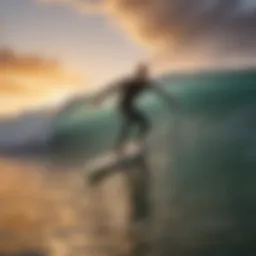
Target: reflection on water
{"type": "Point", "coordinates": [48, 210]}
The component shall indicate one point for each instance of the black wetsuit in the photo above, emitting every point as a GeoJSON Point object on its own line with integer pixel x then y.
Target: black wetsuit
{"type": "Point", "coordinates": [130, 91]}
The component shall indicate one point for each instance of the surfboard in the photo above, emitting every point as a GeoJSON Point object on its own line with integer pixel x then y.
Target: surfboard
{"type": "Point", "coordinates": [113, 161]}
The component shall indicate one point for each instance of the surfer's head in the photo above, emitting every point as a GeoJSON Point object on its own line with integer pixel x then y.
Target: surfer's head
{"type": "Point", "coordinates": [142, 71]}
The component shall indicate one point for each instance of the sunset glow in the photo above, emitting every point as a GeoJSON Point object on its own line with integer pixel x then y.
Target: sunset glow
{"type": "Point", "coordinates": [57, 47]}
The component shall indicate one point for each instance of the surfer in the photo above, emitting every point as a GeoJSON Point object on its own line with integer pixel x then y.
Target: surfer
{"type": "Point", "coordinates": [130, 88]}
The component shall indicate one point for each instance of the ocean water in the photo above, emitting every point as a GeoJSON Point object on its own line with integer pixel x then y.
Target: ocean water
{"type": "Point", "coordinates": [195, 186]}
{"type": "Point", "coordinates": [47, 210]}
{"type": "Point", "coordinates": [201, 157]}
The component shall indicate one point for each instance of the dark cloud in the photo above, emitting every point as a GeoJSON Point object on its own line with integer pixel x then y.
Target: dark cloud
{"type": "Point", "coordinates": [191, 27]}
{"type": "Point", "coordinates": [29, 80]}
{"type": "Point", "coordinates": [26, 64]}
{"type": "Point", "coordinates": [187, 28]}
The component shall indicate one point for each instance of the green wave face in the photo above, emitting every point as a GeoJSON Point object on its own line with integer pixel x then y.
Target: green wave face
{"type": "Point", "coordinates": [84, 131]}
{"type": "Point", "coordinates": [202, 157]}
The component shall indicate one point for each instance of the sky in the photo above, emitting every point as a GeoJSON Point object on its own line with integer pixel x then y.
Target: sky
{"type": "Point", "coordinates": [51, 48]}
{"type": "Point", "coordinates": [88, 50]}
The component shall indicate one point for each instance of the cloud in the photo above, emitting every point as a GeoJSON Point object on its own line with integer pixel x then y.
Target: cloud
{"type": "Point", "coordinates": [186, 29]}
{"type": "Point", "coordinates": [28, 80]}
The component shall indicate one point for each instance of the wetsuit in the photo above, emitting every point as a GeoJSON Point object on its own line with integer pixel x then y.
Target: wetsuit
{"type": "Point", "coordinates": [130, 90]}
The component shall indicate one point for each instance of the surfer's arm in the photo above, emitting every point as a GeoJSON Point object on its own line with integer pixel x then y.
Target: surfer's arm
{"type": "Point", "coordinates": [169, 99]}
{"type": "Point", "coordinates": [108, 91]}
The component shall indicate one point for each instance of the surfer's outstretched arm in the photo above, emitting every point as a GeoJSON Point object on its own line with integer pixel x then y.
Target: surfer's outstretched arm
{"type": "Point", "coordinates": [169, 99]}
{"type": "Point", "coordinates": [98, 98]}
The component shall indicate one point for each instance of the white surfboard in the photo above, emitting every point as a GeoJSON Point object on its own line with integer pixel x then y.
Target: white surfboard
{"type": "Point", "coordinates": [114, 161]}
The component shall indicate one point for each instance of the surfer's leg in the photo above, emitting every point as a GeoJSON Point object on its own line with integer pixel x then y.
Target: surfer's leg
{"type": "Point", "coordinates": [123, 134]}
{"type": "Point", "coordinates": [125, 129]}
{"type": "Point", "coordinates": [143, 124]}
